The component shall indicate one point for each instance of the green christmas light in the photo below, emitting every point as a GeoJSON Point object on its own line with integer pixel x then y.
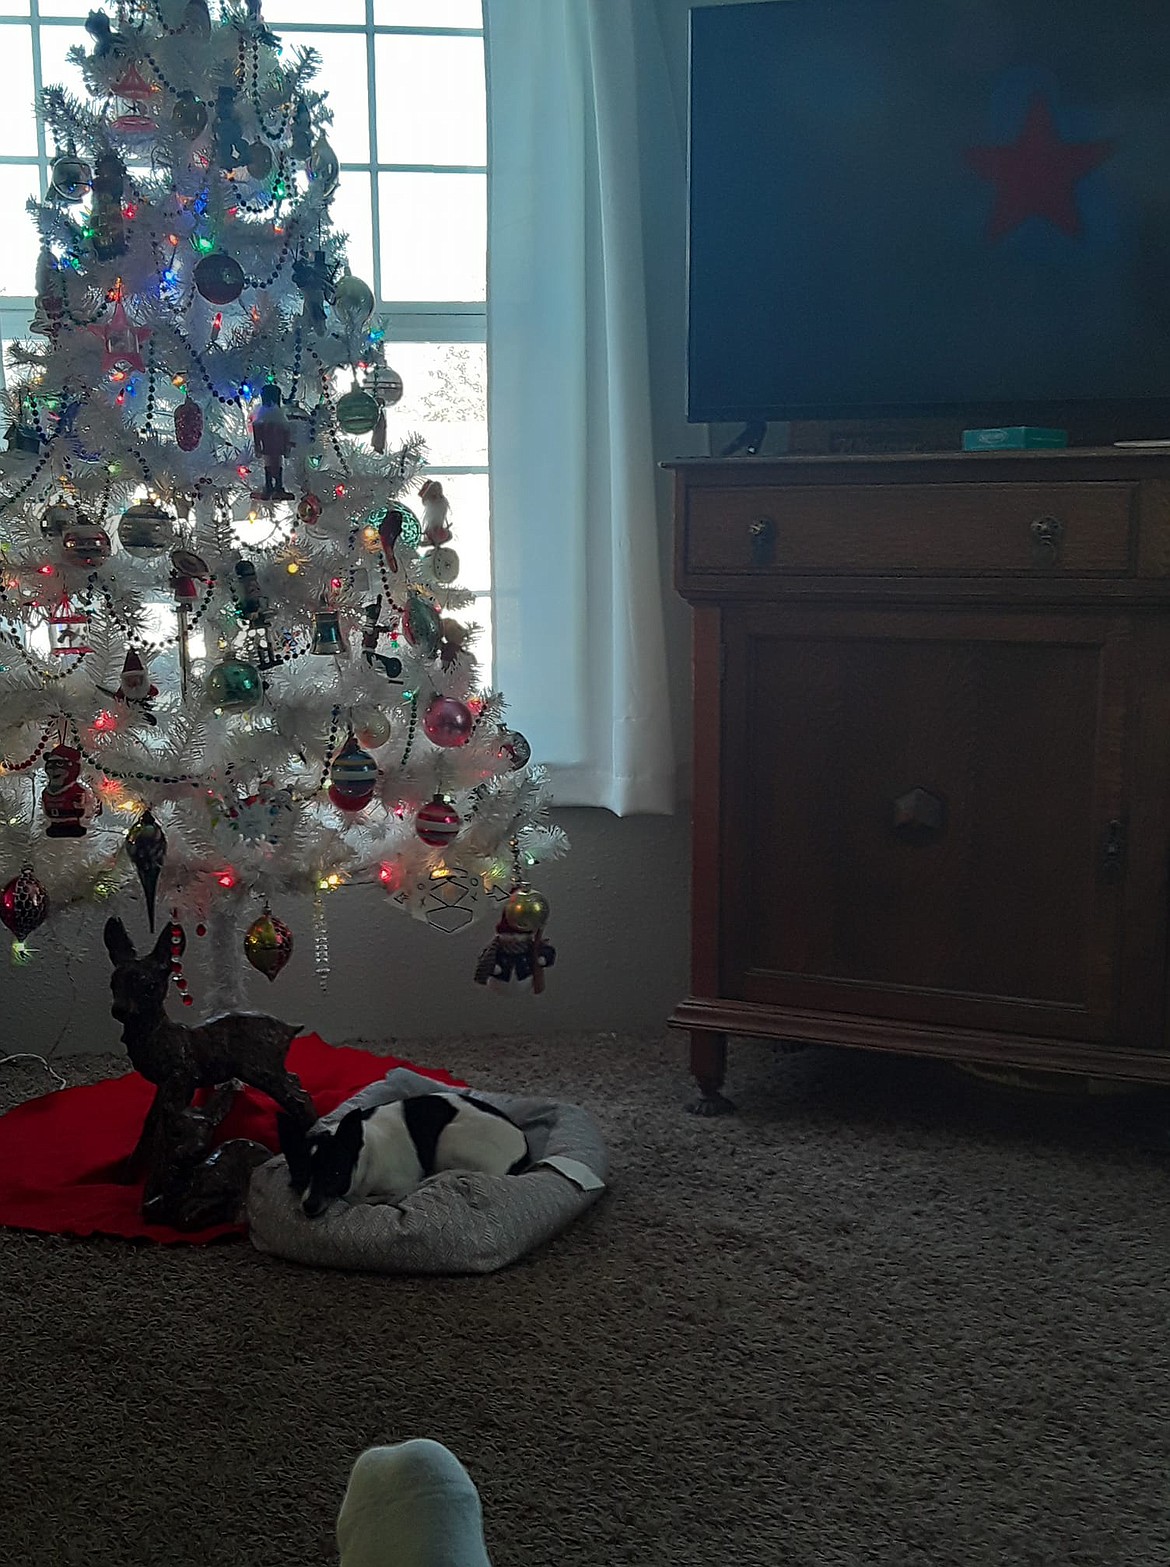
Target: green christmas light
{"type": "Point", "coordinates": [202, 244]}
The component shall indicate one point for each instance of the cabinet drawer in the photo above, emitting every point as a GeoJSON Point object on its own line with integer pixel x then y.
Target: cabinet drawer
{"type": "Point", "coordinates": [1082, 529]}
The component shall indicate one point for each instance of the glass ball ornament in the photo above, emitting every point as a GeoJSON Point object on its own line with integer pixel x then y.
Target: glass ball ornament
{"type": "Point", "coordinates": [386, 385]}
{"type": "Point", "coordinates": [353, 776]}
{"type": "Point", "coordinates": [24, 904]}
{"type": "Point", "coordinates": [448, 722]}
{"type": "Point", "coordinates": [234, 686]}
{"type": "Point", "coordinates": [526, 910]}
{"type": "Point", "coordinates": [437, 822]}
{"type": "Point", "coordinates": [268, 945]}
{"type": "Point", "coordinates": [69, 177]}
{"type": "Point", "coordinates": [357, 412]}
{"type": "Point", "coordinates": [515, 750]}
{"type": "Point", "coordinates": [353, 301]}
{"type": "Point", "coordinates": [443, 565]}
{"type": "Point", "coordinates": [146, 528]}
{"type": "Point", "coordinates": [86, 545]}
{"type": "Point", "coordinates": [219, 278]}
{"type": "Point", "coordinates": [371, 727]}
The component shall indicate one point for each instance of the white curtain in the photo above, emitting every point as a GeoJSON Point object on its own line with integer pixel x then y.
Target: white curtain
{"type": "Point", "coordinates": [580, 644]}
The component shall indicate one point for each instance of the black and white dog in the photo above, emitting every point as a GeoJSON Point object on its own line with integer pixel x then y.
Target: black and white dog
{"type": "Point", "coordinates": [386, 1151]}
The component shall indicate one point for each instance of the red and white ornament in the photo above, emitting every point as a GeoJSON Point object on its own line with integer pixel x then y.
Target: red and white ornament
{"type": "Point", "coordinates": [437, 822]}
{"type": "Point", "coordinates": [353, 776]}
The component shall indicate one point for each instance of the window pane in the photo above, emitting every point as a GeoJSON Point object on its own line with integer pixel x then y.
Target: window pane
{"type": "Point", "coordinates": [444, 401]}
{"type": "Point", "coordinates": [18, 129]}
{"type": "Point", "coordinates": [428, 13]}
{"type": "Point", "coordinates": [56, 71]}
{"type": "Point", "coordinates": [434, 237]}
{"type": "Point", "coordinates": [18, 254]}
{"type": "Point", "coordinates": [431, 105]}
{"type": "Point", "coordinates": [313, 12]}
{"type": "Point", "coordinates": [351, 214]}
{"type": "Point", "coordinates": [343, 77]}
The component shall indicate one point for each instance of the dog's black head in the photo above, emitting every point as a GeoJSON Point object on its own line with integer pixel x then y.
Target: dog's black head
{"type": "Point", "coordinates": [321, 1165]}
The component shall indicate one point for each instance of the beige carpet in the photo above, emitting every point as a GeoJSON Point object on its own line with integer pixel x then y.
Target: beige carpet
{"type": "Point", "coordinates": [886, 1315]}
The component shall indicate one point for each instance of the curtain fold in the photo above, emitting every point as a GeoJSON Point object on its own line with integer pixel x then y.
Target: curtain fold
{"type": "Point", "coordinates": [580, 642]}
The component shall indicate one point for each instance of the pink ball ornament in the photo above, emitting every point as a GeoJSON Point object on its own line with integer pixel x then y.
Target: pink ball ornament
{"type": "Point", "coordinates": [448, 722]}
{"type": "Point", "coordinates": [437, 822]}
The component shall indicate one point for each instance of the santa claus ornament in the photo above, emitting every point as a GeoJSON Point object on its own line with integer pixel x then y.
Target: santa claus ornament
{"type": "Point", "coordinates": [65, 801]}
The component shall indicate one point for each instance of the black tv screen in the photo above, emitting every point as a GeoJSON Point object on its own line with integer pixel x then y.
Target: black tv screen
{"type": "Point", "coordinates": [906, 207]}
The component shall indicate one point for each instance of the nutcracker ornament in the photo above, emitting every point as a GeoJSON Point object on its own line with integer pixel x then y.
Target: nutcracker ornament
{"type": "Point", "coordinates": [313, 276]}
{"type": "Point", "coordinates": [519, 955]}
{"type": "Point", "coordinates": [272, 438]}
{"type": "Point", "coordinates": [65, 801]}
{"type": "Point", "coordinates": [109, 183]}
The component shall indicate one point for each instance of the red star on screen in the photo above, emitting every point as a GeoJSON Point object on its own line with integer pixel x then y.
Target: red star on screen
{"type": "Point", "coordinates": [1036, 176]}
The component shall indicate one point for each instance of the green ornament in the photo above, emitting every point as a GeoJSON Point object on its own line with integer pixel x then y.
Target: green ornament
{"type": "Point", "coordinates": [357, 412]}
{"type": "Point", "coordinates": [233, 686]}
{"type": "Point", "coordinates": [422, 626]}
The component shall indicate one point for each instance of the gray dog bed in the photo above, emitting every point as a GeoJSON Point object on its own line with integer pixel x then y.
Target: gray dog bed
{"type": "Point", "coordinates": [455, 1222]}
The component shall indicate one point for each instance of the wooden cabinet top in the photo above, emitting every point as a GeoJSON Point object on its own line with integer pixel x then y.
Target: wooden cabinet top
{"type": "Point", "coordinates": [1071, 463]}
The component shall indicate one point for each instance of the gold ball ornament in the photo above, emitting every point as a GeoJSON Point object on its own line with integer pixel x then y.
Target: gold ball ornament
{"type": "Point", "coordinates": [526, 910]}
{"type": "Point", "coordinates": [268, 945]}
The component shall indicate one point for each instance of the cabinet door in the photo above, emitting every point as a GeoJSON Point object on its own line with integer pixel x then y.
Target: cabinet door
{"type": "Point", "coordinates": [924, 815]}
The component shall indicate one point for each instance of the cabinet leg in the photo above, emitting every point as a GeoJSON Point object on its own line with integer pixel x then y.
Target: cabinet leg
{"type": "Point", "coordinates": [708, 1066]}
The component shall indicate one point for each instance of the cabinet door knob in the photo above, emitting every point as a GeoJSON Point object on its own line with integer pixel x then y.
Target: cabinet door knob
{"type": "Point", "coordinates": [1047, 537]}
{"type": "Point", "coordinates": [762, 533]}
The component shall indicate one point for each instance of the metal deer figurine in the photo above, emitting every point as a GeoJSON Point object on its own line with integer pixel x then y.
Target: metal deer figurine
{"type": "Point", "coordinates": [185, 1185]}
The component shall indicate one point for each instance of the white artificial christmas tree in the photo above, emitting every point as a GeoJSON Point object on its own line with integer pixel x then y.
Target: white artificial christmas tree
{"type": "Point", "coordinates": [235, 664]}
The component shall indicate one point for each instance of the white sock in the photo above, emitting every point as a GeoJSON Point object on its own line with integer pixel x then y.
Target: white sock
{"type": "Point", "coordinates": [413, 1505]}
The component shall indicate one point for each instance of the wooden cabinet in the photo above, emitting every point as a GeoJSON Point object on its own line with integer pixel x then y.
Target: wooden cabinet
{"type": "Point", "coordinates": [932, 756]}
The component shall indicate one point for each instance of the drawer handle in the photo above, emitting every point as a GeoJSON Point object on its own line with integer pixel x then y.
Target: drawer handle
{"type": "Point", "coordinates": [1047, 537]}
{"type": "Point", "coordinates": [762, 533]}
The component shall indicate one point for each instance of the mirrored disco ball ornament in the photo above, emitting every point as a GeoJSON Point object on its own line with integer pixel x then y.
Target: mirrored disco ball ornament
{"type": "Point", "coordinates": [437, 822]}
{"type": "Point", "coordinates": [146, 528]}
{"type": "Point", "coordinates": [353, 776]}
{"type": "Point", "coordinates": [448, 722]}
{"type": "Point", "coordinates": [24, 904]}
{"type": "Point", "coordinates": [268, 944]}
{"type": "Point", "coordinates": [234, 686]}
{"type": "Point", "coordinates": [219, 278]}
{"type": "Point", "coordinates": [357, 412]}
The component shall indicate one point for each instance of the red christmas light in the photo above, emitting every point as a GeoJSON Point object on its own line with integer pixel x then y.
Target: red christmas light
{"type": "Point", "coordinates": [227, 880]}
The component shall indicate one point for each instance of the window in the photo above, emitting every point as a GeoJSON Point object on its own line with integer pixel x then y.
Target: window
{"type": "Point", "coordinates": [405, 80]}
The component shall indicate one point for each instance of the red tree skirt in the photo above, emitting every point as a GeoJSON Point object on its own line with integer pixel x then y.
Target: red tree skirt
{"type": "Point", "coordinates": [60, 1154]}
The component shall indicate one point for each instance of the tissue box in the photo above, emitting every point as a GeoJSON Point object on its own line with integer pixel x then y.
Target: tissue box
{"type": "Point", "coordinates": [1012, 437]}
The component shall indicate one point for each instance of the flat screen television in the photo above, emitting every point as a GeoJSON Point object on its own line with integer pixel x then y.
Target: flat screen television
{"type": "Point", "coordinates": [931, 207]}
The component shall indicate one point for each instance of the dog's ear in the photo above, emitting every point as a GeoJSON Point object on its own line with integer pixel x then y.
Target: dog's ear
{"type": "Point", "coordinates": [118, 943]}
{"type": "Point", "coordinates": [347, 1139]}
{"type": "Point", "coordinates": [294, 1145]}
